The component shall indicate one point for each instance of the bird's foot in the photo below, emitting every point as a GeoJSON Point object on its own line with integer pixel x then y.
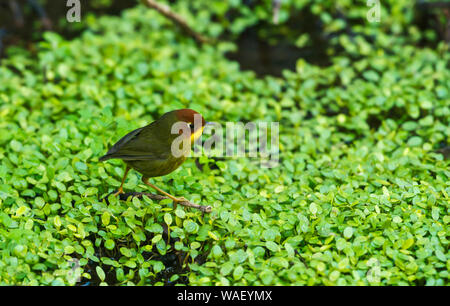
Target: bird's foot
{"type": "Point", "coordinates": [176, 200]}
{"type": "Point", "coordinates": [119, 192]}
{"type": "Point", "coordinates": [180, 199]}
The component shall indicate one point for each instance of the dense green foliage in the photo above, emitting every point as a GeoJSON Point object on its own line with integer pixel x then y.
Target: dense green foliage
{"type": "Point", "coordinates": [360, 197]}
{"type": "Point", "coordinates": [342, 25]}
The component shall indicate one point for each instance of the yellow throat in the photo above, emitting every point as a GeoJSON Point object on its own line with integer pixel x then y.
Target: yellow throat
{"type": "Point", "coordinates": [196, 134]}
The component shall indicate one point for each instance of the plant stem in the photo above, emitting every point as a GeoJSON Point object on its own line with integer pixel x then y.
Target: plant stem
{"type": "Point", "coordinates": [157, 197]}
{"type": "Point", "coordinates": [166, 11]}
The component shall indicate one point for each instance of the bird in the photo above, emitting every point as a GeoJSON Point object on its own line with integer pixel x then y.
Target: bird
{"type": "Point", "coordinates": [150, 151]}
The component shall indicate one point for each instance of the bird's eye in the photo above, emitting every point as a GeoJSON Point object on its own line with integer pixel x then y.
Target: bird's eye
{"type": "Point", "coordinates": [191, 126]}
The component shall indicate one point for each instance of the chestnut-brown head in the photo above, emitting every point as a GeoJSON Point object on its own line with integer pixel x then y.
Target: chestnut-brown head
{"type": "Point", "coordinates": [182, 121]}
{"type": "Point", "coordinates": [195, 122]}
{"type": "Point", "coordinates": [189, 116]}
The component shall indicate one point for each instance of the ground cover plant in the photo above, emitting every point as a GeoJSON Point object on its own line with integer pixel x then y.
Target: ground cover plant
{"type": "Point", "coordinates": [361, 195]}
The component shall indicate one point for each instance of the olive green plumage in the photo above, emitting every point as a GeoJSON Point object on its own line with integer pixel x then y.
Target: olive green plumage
{"type": "Point", "coordinates": [148, 149]}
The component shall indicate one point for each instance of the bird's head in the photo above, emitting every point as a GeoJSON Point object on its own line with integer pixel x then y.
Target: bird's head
{"type": "Point", "coordinates": [183, 122]}
{"type": "Point", "coordinates": [195, 123]}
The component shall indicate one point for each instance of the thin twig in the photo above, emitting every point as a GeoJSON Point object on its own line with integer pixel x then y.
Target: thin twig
{"type": "Point", "coordinates": [276, 5]}
{"type": "Point", "coordinates": [17, 13]}
{"type": "Point", "coordinates": [157, 197]}
{"type": "Point", "coordinates": [166, 11]}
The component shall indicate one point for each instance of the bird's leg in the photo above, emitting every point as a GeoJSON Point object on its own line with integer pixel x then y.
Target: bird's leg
{"type": "Point", "coordinates": [120, 191]}
{"type": "Point", "coordinates": [174, 199]}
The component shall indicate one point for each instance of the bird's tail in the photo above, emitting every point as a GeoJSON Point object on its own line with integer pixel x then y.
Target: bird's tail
{"type": "Point", "coordinates": [105, 157]}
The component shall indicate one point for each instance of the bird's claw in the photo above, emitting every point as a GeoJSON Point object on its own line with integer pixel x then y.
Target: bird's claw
{"type": "Point", "coordinates": [119, 192]}
{"type": "Point", "coordinates": [180, 199]}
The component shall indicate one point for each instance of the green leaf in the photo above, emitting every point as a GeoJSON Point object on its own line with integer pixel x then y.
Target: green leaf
{"type": "Point", "coordinates": [105, 218]}
{"type": "Point", "coordinates": [57, 221]}
{"type": "Point", "coordinates": [21, 210]}
{"type": "Point", "coordinates": [238, 273]}
{"type": "Point", "coordinates": [226, 268]}
{"type": "Point", "coordinates": [168, 219]}
{"type": "Point", "coordinates": [272, 246]}
{"type": "Point", "coordinates": [415, 141]}
{"type": "Point", "coordinates": [408, 243]}
{"type": "Point", "coordinates": [213, 235]}
{"type": "Point", "coordinates": [109, 244]}
{"type": "Point", "coordinates": [348, 232]}
{"type": "Point", "coordinates": [100, 273]}
{"type": "Point", "coordinates": [266, 277]}
{"type": "Point", "coordinates": [80, 166]}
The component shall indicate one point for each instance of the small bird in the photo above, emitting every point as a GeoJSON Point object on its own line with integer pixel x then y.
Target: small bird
{"type": "Point", "coordinates": [149, 149]}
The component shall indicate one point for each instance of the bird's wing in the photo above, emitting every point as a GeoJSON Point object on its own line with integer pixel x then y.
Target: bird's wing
{"type": "Point", "coordinates": [124, 140]}
{"type": "Point", "coordinates": [132, 156]}
{"type": "Point", "coordinates": [128, 148]}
